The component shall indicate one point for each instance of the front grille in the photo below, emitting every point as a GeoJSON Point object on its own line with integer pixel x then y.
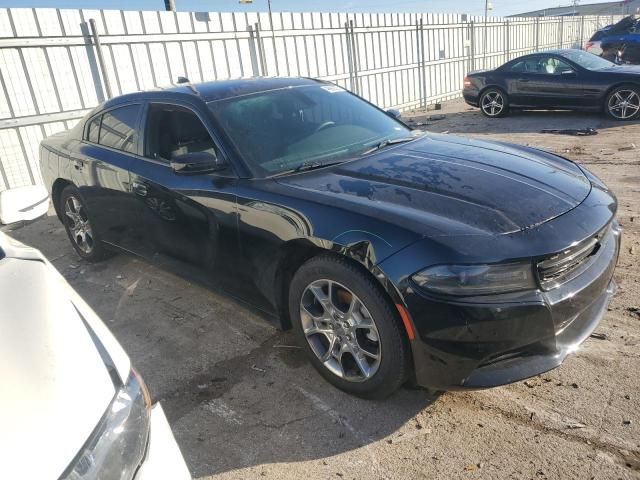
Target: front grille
{"type": "Point", "coordinates": [568, 264]}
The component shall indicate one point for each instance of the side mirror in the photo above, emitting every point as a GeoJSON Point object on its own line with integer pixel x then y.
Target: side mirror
{"type": "Point", "coordinates": [393, 113]}
{"type": "Point", "coordinates": [196, 162]}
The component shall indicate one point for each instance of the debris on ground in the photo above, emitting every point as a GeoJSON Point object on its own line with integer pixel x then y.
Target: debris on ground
{"type": "Point", "coordinates": [626, 422]}
{"type": "Point", "coordinates": [434, 118]}
{"type": "Point", "coordinates": [573, 426]}
{"type": "Point", "coordinates": [287, 346]}
{"type": "Point", "coordinates": [599, 336]}
{"type": "Point", "coordinates": [631, 146]}
{"type": "Point", "coordinates": [578, 132]}
{"type": "Point", "coordinates": [258, 369]}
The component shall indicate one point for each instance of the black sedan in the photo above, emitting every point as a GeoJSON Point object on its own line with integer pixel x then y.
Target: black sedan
{"type": "Point", "coordinates": [395, 255]}
{"type": "Point", "coordinates": [560, 79]}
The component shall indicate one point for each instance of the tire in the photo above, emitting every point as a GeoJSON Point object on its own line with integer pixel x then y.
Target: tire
{"type": "Point", "coordinates": [494, 103]}
{"type": "Point", "coordinates": [378, 331]}
{"type": "Point", "coordinates": [623, 103]}
{"type": "Point", "coordinates": [78, 224]}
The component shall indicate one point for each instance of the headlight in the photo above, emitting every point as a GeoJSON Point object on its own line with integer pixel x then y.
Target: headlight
{"type": "Point", "coordinates": [476, 279]}
{"type": "Point", "coordinates": [118, 444]}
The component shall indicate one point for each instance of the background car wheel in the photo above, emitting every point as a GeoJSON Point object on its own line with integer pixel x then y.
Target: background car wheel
{"type": "Point", "coordinates": [494, 103]}
{"type": "Point", "coordinates": [348, 327]}
{"type": "Point", "coordinates": [623, 103]}
{"type": "Point", "coordinates": [77, 223]}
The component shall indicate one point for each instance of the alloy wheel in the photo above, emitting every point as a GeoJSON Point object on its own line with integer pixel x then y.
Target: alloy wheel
{"type": "Point", "coordinates": [493, 104]}
{"type": "Point", "coordinates": [78, 223]}
{"type": "Point", "coordinates": [340, 330]}
{"type": "Point", "coordinates": [624, 104]}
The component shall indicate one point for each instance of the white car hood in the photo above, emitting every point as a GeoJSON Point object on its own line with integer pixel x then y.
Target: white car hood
{"type": "Point", "coordinates": [55, 386]}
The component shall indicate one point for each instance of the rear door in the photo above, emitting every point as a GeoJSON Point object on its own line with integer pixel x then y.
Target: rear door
{"type": "Point", "coordinates": [99, 167]}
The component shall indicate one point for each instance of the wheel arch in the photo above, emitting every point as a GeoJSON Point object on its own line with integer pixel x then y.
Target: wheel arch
{"type": "Point", "coordinates": [360, 254]}
{"type": "Point", "coordinates": [626, 83]}
{"type": "Point", "coordinates": [56, 191]}
{"type": "Point", "coordinates": [493, 85]}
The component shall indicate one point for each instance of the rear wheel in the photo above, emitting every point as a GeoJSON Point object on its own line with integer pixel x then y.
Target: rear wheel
{"type": "Point", "coordinates": [494, 103]}
{"type": "Point", "coordinates": [348, 327]}
{"type": "Point", "coordinates": [623, 103]}
{"type": "Point", "coordinates": [77, 223]}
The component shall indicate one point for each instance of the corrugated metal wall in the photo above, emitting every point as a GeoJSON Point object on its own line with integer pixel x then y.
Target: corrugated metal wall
{"type": "Point", "coordinates": [50, 74]}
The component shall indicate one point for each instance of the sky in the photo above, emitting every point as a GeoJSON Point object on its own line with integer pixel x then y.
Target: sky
{"type": "Point", "coordinates": [472, 7]}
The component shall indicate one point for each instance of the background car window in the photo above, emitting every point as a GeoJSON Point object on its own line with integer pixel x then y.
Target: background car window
{"type": "Point", "coordinates": [173, 131]}
{"type": "Point", "coordinates": [118, 128]}
{"type": "Point", "coordinates": [527, 65]}
{"type": "Point", "coordinates": [94, 129]}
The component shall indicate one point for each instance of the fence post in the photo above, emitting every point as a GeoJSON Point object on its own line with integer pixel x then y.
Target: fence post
{"type": "Point", "coordinates": [561, 28]}
{"type": "Point", "coordinates": [424, 68]}
{"type": "Point", "coordinates": [103, 67]}
{"type": "Point", "coordinates": [261, 56]}
{"type": "Point", "coordinates": [252, 52]}
{"type": "Point", "coordinates": [349, 55]}
{"type": "Point", "coordinates": [582, 32]}
{"type": "Point", "coordinates": [537, 33]}
{"type": "Point", "coordinates": [507, 41]}
{"type": "Point", "coordinates": [419, 50]}
{"type": "Point", "coordinates": [472, 47]}
{"type": "Point", "coordinates": [354, 56]}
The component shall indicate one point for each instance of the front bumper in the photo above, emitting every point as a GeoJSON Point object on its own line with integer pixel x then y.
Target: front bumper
{"type": "Point", "coordinates": [485, 342]}
{"type": "Point", "coordinates": [163, 458]}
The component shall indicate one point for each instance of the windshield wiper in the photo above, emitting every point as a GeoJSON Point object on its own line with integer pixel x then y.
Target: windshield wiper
{"type": "Point", "coordinates": [312, 165]}
{"type": "Point", "coordinates": [386, 143]}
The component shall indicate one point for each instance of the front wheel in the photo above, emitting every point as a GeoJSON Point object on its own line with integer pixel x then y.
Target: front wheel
{"type": "Point", "coordinates": [494, 103]}
{"type": "Point", "coordinates": [623, 103]}
{"type": "Point", "coordinates": [348, 327]}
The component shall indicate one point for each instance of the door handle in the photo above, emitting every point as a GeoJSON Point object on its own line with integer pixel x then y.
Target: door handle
{"type": "Point", "coordinates": [523, 80]}
{"type": "Point", "coordinates": [139, 189]}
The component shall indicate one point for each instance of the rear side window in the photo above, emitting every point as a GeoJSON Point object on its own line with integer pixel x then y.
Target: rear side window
{"type": "Point", "coordinates": [118, 128]}
{"type": "Point", "coordinates": [94, 129]}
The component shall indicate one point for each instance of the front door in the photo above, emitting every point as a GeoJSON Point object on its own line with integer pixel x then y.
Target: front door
{"type": "Point", "coordinates": [186, 222]}
{"type": "Point", "coordinates": [548, 81]}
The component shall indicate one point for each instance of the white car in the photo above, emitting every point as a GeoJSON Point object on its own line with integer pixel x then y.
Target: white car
{"type": "Point", "coordinates": [71, 405]}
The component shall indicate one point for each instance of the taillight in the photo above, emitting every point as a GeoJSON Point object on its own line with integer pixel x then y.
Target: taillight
{"type": "Point", "coordinates": [466, 82]}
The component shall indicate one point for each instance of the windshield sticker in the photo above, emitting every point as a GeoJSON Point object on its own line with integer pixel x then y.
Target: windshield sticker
{"type": "Point", "coordinates": [332, 88]}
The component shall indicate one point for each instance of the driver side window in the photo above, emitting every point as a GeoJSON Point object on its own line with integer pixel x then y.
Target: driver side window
{"type": "Point", "coordinates": [172, 130]}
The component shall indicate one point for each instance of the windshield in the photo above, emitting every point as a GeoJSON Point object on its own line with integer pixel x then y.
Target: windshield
{"type": "Point", "coordinates": [587, 60]}
{"type": "Point", "coordinates": [282, 130]}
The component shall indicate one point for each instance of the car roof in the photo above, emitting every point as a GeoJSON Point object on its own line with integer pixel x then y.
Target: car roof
{"type": "Point", "coordinates": [221, 89]}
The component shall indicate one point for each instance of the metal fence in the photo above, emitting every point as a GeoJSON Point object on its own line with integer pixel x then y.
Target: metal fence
{"type": "Point", "coordinates": [52, 71]}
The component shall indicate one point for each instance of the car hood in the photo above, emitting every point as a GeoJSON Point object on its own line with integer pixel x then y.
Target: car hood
{"type": "Point", "coordinates": [55, 386]}
{"type": "Point", "coordinates": [455, 185]}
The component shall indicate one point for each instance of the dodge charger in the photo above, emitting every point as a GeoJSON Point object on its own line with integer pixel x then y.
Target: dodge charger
{"type": "Point", "coordinates": [395, 255]}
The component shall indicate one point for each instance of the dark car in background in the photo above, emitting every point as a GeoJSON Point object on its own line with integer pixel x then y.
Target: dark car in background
{"type": "Point", "coordinates": [395, 255]}
{"type": "Point", "coordinates": [558, 79]}
{"type": "Point", "coordinates": [614, 38]}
